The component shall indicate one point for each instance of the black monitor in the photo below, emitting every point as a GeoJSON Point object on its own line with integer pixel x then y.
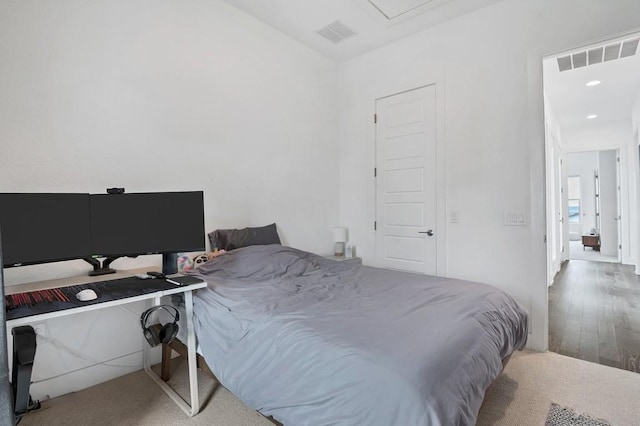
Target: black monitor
{"type": "Point", "coordinates": [45, 227]}
{"type": "Point", "coordinates": [146, 223]}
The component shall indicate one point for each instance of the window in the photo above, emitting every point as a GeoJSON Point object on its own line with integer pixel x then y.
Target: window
{"type": "Point", "coordinates": [573, 193]}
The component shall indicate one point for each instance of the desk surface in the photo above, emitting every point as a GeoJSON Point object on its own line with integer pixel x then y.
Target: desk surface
{"type": "Point", "coordinates": [76, 280]}
{"type": "Point", "coordinates": [56, 297]}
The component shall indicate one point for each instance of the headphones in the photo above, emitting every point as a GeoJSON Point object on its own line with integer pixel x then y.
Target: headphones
{"type": "Point", "coordinates": [168, 331]}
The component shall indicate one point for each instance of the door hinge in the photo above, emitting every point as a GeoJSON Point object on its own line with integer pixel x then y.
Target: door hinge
{"type": "Point", "coordinates": [375, 226]}
{"type": "Point", "coordinates": [620, 246]}
{"type": "Point", "coordinates": [375, 172]}
{"type": "Point", "coordinates": [545, 239]}
{"type": "Point", "coordinates": [375, 118]}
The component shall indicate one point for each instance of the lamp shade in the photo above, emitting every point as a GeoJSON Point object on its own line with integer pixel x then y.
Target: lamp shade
{"type": "Point", "coordinates": [339, 235]}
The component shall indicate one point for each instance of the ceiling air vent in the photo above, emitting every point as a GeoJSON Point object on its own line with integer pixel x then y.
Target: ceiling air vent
{"type": "Point", "coordinates": [612, 52]}
{"type": "Point", "coordinates": [336, 32]}
{"type": "Point", "coordinates": [564, 63]}
{"type": "Point", "coordinates": [597, 55]}
{"type": "Point", "coordinates": [629, 48]}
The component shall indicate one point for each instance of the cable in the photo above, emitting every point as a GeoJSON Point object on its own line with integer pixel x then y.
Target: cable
{"type": "Point", "coordinates": [33, 406]}
{"type": "Point", "coordinates": [55, 342]}
{"type": "Point", "coordinates": [58, 344]}
{"type": "Point", "coordinates": [137, 315]}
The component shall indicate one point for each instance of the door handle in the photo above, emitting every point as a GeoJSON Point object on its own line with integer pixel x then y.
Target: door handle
{"type": "Point", "coordinates": [428, 232]}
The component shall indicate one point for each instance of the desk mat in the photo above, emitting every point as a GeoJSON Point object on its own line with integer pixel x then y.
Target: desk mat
{"type": "Point", "coordinates": [57, 299]}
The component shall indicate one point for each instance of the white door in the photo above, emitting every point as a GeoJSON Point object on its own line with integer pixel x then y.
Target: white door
{"type": "Point", "coordinates": [559, 214]}
{"type": "Point", "coordinates": [406, 181]}
{"type": "Point", "coordinates": [618, 207]}
{"type": "Point", "coordinates": [609, 203]}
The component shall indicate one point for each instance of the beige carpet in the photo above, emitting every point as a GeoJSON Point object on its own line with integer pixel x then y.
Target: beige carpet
{"type": "Point", "coordinates": [522, 396]}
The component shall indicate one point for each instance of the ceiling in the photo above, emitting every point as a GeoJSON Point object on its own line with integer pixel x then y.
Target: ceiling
{"type": "Point", "coordinates": [373, 22]}
{"type": "Point", "coordinates": [571, 101]}
{"type": "Point", "coordinates": [370, 24]}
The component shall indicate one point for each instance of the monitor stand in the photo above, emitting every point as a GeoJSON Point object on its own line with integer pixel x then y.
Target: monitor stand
{"type": "Point", "coordinates": [169, 263]}
{"type": "Point", "coordinates": [100, 268]}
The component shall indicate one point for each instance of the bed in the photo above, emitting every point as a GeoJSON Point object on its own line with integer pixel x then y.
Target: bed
{"type": "Point", "coordinates": [312, 341]}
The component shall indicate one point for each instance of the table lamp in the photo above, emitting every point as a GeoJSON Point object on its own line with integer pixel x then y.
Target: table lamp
{"type": "Point", "coordinates": [339, 237]}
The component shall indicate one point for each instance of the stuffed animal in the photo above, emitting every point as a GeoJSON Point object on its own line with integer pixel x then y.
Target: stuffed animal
{"type": "Point", "coordinates": [199, 260]}
{"type": "Point", "coordinates": [185, 263]}
{"type": "Point", "coordinates": [215, 253]}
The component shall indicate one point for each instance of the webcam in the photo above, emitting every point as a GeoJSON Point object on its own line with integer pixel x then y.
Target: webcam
{"type": "Point", "coordinates": [115, 190]}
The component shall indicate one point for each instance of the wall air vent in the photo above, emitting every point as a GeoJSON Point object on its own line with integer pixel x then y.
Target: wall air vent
{"type": "Point", "coordinates": [336, 32]}
{"type": "Point", "coordinates": [597, 55]}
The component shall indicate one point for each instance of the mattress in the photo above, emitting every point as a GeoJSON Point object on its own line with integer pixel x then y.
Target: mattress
{"type": "Point", "coordinates": [312, 341]}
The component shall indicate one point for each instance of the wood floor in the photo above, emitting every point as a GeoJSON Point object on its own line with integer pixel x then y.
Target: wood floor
{"type": "Point", "coordinates": [594, 313]}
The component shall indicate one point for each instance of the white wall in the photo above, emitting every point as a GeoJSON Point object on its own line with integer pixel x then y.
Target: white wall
{"type": "Point", "coordinates": [153, 96]}
{"type": "Point", "coordinates": [635, 115]}
{"type": "Point", "coordinates": [490, 63]}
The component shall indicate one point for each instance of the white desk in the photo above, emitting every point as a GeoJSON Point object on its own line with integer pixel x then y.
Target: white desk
{"type": "Point", "coordinates": [153, 299]}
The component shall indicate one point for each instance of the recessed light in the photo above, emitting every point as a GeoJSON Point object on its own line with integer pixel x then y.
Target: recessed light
{"type": "Point", "coordinates": [592, 116]}
{"type": "Point", "coordinates": [593, 83]}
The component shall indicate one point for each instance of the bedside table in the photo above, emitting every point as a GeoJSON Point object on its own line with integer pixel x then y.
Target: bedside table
{"type": "Point", "coordinates": [357, 260]}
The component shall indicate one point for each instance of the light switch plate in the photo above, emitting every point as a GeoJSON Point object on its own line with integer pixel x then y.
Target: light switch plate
{"type": "Point", "coordinates": [515, 218]}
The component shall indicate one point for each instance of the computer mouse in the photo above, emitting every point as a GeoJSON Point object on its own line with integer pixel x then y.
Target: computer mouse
{"type": "Point", "coordinates": [86, 295]}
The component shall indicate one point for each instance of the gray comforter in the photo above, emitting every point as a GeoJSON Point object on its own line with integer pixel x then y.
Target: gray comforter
{"type": "Point", "coordinates": [313, 341]}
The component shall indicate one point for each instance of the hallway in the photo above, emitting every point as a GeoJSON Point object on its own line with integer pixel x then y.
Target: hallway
{"type": "Point", "coordinates": [594, 313]}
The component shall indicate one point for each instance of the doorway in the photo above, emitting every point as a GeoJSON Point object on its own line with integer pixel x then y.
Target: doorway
{"type": "Point", "coordinates": [593, 206]}
{"type": "Point", "coordinates": [591, 95]}
{"type": "Point", "coordinates": [592, 176]}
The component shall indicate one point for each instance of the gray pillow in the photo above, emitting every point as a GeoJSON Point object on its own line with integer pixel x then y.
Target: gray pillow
{"type": "Point", "coordinates": [229, 239]}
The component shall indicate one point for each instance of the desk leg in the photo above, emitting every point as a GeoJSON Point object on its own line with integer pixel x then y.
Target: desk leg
{"type": "Point", "coordinates": [194, 408]}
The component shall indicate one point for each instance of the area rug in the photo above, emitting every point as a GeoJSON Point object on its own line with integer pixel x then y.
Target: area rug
{"type": "Point", "coordinates": [562, 416]}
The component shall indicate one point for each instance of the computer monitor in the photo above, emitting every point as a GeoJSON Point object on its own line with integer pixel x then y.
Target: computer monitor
{"type": "Point", "coordinates": [44, 227]}
{"type": "Point", "coordinates": [146, 223]}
